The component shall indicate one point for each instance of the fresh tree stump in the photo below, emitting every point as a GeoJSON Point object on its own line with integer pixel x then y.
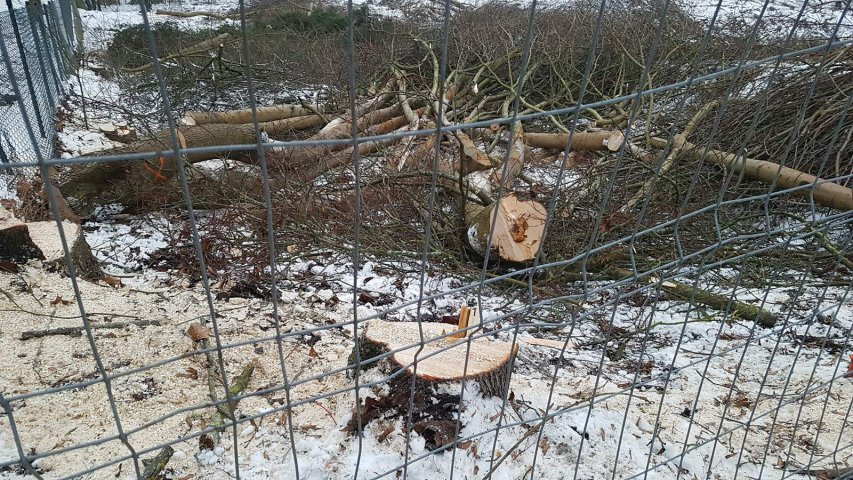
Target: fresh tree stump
{"type": "Point", "coordinates": [119, 132]}
{"type": "Point", "coordinates": [489, 362]}
{"type": "Point", "coordinates": [16, 245]}
{"type": "Point", "coordinates": [518, 230]}
{"type": "Point", "coordinates": [46, 237]}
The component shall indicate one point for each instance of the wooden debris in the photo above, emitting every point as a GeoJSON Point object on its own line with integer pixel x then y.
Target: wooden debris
{"type": "Point", "coordinates": [265, 114]}
{"type": "Point", "coordinates": [601, 140]}
{"type": "Point", "coordinates": [77, 330]}
{"type": "Point", "coordinates": [200, 47]}
{"type": "Point", "coordinates": [518, 229]}
{"type": "Point", "coordinates": [154, 466]}
{"type": "Point", "coordinates": [118, 132]}
{"type": "Point", "coordinates": [464, 315]}
{"type": "Point", "coordinates": [828, 194]}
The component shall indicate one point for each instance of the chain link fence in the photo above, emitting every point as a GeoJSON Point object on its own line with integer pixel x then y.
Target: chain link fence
{"type": "Point", "coordinates": [40, 44]}
{"type": "Point", "coordinates": [689, 318]}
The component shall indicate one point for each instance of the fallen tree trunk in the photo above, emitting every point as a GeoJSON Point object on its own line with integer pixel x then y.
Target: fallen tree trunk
{"type": "Point", "coordinates": [602, 140]}
{"type": "Point", "coordinates": [518, 228]}
{"type": "Point", "coordinates": [265, 114]}
{"type": "Point", "coordinates": [383, 120]}
{"type": "Point", "coordinates": [489, 361]}
{"type": "Point", "coordinates": [88, 181]}
{"type": "Point", "coordinates": [828, 194]}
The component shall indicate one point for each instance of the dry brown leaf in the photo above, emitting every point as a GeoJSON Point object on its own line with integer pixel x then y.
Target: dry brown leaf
{"type": "Point", "coordinates": [544, 446]}
{"type": "Point", "coordinates": [198, 332]}
{"type": "Point", "coordinates": [384, 434]}
{"type": "Point", "coordinates": [113, 281]}
{"type": "Point", "coordinates": [313, 353]}
{"type": "Point", "coordinates": [191, 373]}
{"type": "Point", "coordinates": [59, 299]}
{"type": "Point", "coordinates": [205, 442]}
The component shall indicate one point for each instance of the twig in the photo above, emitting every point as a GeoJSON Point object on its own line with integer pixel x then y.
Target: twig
{"type": "Point", "coordinates": [29, 334]}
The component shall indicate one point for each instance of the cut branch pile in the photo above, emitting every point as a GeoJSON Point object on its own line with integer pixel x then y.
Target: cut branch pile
{"type": "Point", "coordinates": [473, 165]}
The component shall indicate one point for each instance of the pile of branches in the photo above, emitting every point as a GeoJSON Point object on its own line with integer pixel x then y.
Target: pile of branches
{"type": "Point", "coordinates": [621, 175]}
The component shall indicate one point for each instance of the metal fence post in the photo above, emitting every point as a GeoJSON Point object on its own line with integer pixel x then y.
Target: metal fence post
{"type": "Point", "coordinates": [60, 47]}
{"type": "Point", "coordinates": [26, 66]}
{"type": "Point", "coordinates": [46, 42]}
{"type": "Point", "coordinates": [65, 13]}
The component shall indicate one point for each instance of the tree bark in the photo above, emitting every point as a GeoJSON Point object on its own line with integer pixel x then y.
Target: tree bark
{"type": "Point", "coordinates": [602, 140]}
{"type": "Point", "coordinates": [16, 245]}
{"type": "Point", "coordinates": [516, 159]}
{"type": "Point", "coordinates": [473, 159]}
{"type": "Point", "coordinates": [89, 181]}
{"type": "Point", "coordinates": [265, 114]}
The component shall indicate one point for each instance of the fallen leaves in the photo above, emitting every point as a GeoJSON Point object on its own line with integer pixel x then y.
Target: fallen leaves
{"type": "Point", "coordinates": [385, 433]}
{"type": "Point", "coordinates": [112, 281]}
{"type": "Point", "coordinates": [433, 414]}
{"type": "Point", "coordinates": [59, 300]}
{"type": "Point", "coordinates": [198, 332]}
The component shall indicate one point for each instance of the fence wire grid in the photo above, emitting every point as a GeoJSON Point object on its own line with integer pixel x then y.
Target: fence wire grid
{"type": "Point", "coordinates": [752, 269]}
{"type": "Point", "coordinates": [38, 41]}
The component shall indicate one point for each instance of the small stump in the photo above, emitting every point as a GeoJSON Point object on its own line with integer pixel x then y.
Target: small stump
{"type": "Point", "coordinates": [489, 361]}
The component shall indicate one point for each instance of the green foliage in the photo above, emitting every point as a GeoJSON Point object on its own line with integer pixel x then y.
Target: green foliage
{"type": "Point", "coordinates": [321, 20]}
{"type": "Point", "coordinates": [129, 47]}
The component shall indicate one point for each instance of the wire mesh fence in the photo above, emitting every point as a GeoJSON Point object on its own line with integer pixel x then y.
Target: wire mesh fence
{"type": "Point", "coordinates": [37, 43]}
{"type": "Point", "coordinates": [517, 241]}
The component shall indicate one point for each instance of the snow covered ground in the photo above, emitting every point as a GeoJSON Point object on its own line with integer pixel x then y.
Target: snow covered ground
{"type": "Point", "coordinates": [674, 392]}
{"type": "Point", "coordinates": [788, 380]}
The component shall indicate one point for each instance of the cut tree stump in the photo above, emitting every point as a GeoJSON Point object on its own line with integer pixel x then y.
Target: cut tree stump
{"type": "Point", "coordinates": [518, 229]}
{"type": "Point", "coordinates": [489, 360]}
{"type": "Point", "coordinates": [16, 245]}
{"type": "Point", "coordinates": [118, 132]}
{"type": "Point", "coordinates": [46, 237]}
